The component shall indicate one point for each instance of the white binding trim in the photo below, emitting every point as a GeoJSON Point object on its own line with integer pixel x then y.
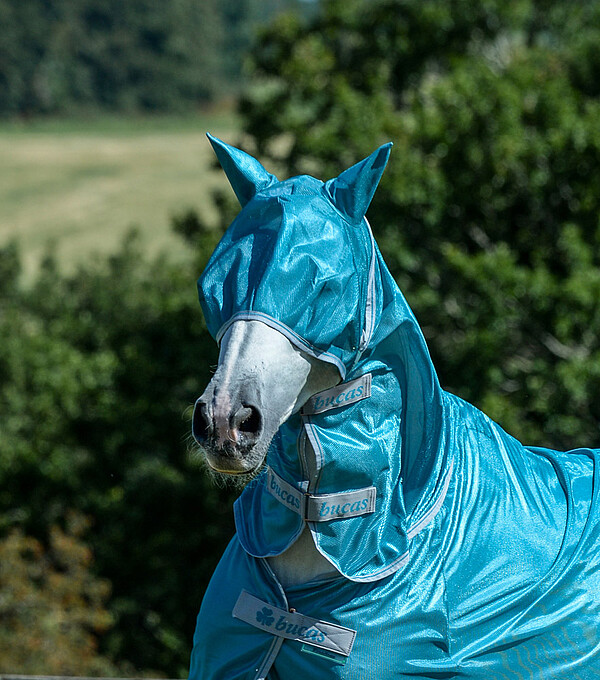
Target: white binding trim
{"type": "Point", "coordinates": [388, 571]}
{"type": "Point", "coordinates": [427, 518]}
{"type": "Point", "coordinates": [403, 559]}
{"type": "Point", "coordinates": [313, 438]}
{"type": "Point", "coordinates": [292, 336]}
{"type": "Point", "coordinates": [263, 670]}
{"type": "Point", "coordinates": [367, 332]}
{"type": "Point", "coordinates": [433, 511]}
{"type": "Point", "coordinates": [269, 660]}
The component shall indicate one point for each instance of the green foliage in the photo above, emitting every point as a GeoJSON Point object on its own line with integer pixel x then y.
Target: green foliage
{"type": "Point", "coordinates": [52, 608]}
{"type": "Point", "coordinates": [122, 56]}
{"type": "Point", "coordinates": [57, 56]}
{"type": "Point", "coordinates": [488, 214]}
{"type": "Point", "coordinates": [96, 371]}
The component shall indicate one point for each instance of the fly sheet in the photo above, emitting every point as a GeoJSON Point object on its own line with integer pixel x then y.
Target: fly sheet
{"type": "Point", "coordinates": [461, 552]}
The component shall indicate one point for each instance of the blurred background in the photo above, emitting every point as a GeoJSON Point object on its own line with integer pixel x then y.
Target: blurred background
{"type": "Point", "coordinates": [488, 216]}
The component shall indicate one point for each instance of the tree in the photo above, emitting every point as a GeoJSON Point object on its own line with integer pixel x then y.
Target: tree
{"type": "Point", "coordinates": [52, 607]}
{"type": "Point", "coordinates": [487, 216]}
{"type": "Point", "coordinates": [60, 56]}
{"type": "Point", "coordinates": [488, 212]}
{"type": "Point", "coordinates": [96, 371]}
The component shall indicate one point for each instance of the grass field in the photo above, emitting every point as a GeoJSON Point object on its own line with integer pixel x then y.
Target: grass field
{"type": "Point", "coordinates": [82, 185]}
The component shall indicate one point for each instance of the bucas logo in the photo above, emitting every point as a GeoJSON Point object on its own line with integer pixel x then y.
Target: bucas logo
{"type": "Point", "coordinates": [285, 496]}
{"type": "Point", "coordinates": [338, 396]}
{"type": "Point", "coordinates": [338, 510]}
{"type": "Point", "coordinates": [323, 404]}
{"type": "Point", "coordinates": [323, 507]}
{"type": "Point", "coordinates": [293, 625]}
{"type": "Point", "coordinates": [288, 628]}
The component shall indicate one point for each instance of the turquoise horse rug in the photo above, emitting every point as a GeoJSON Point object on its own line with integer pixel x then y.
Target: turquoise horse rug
{"type": "Point", "coordinates": [458, 551]}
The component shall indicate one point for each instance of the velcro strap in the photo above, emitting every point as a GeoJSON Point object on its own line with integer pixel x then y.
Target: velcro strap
{"type": "Point", "coordinates": [293, 625]}
{"type": "Point", "coordinates": [338, 396]}
{"type": "Point", "coordinates": [321, 507]}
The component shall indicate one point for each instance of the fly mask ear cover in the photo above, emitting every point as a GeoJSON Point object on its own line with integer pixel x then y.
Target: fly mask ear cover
{"type": "Point", "coordinates": [295, 255]}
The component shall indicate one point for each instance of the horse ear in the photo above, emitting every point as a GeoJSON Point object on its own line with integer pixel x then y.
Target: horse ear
{"type": "Point", "coordinates": [353, 190]}
{"type": "Point", "coordinates": [245, 174]}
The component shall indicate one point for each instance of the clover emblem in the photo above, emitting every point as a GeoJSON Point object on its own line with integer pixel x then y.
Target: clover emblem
{"type": "Point", "coordinates": [265, 616]}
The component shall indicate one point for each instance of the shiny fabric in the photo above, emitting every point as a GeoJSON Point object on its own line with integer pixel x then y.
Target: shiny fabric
{"type": "Point", "coordinates": [482, 557]}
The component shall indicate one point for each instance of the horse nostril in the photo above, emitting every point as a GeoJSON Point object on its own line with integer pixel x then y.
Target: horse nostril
{"type": "Point", "coordinates": [247, 421]}
{"type": "Point", "coordinates": [201, 423]}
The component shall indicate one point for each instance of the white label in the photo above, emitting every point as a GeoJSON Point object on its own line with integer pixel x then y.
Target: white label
{"type": "Point", "coordinates": [338, 396]}
{"type": "Point", "coordinates": [293, 625]}
{"type": "Point", "coordinates": [321, 507]}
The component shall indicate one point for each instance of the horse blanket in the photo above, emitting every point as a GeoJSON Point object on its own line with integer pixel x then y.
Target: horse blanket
{"type": "Point", "coordinates": [460, 551]}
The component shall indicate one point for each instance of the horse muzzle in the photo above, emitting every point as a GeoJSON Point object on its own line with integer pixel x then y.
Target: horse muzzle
{"type": "Point", "coordinates": [230, 438]}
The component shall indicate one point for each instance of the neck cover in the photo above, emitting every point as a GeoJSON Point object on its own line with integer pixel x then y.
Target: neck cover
{"type": "Point", "coordinates": [301, 258]}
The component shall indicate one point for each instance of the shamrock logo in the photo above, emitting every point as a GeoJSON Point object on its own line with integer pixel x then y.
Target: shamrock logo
{"type": "Point", "coordinates": [265, 616]}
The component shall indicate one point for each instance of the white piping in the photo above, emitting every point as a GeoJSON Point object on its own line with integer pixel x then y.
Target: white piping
{"type": "Point", "coordinates": [293, 337]}
{"type": "Point", "coordinates": [269, 660]}
{"type": "Point", "coordinates": [432, 512]}
{"type": "Point", "coordinates": [411, 533]}
{"type": "Point", "coordinates": [367, 332]}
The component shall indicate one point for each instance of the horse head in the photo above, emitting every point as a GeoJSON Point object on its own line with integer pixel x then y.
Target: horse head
{"type": "Point", "coordinates": [286, 295]}
{"type": "Point", "coordinates": [261, 379]}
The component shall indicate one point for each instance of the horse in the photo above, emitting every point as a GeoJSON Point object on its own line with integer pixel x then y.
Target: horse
{"type": "Point", "coordinates": [387, 528]}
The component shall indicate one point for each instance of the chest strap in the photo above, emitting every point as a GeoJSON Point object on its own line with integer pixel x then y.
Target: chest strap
{"type": "Point", "coordinates": [293, 625]}
{"type": "Point", "coordinates": [321, 507]}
